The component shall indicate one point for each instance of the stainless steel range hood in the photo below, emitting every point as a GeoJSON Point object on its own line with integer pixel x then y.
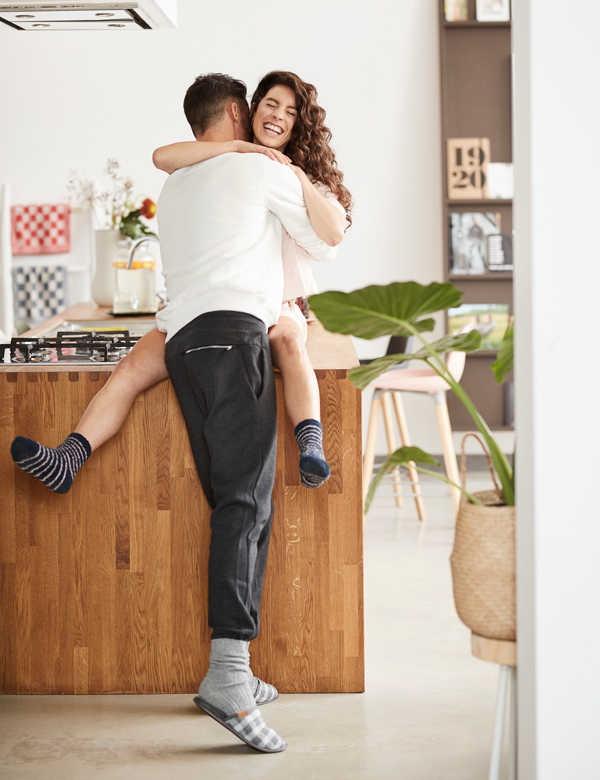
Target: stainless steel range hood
{"type": "Point", "coordinates": [43, 15]}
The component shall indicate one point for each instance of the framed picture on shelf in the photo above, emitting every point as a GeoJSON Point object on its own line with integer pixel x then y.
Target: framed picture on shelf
{"type": "Point", "coordinates": [500, 252]}
{"type": "Point", "coordinates": [467, 160]}
{"type": "Point", "coordinates": [456, 10]}
{"type": "Point", "coordinates": [490, 319]}
{"type": "Point", "coordinates": [493, 10]}
{"type": "Point", "coordinates": [500, 181]}
{"type": "Point", "coordinates": [468, 240]}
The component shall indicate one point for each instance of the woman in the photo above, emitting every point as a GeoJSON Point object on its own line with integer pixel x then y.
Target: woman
{"type": "Point", "coordinates": [284, 116]}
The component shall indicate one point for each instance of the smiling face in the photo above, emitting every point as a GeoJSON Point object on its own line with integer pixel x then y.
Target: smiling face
{"type": "Point", "coordinates": [275, 117]}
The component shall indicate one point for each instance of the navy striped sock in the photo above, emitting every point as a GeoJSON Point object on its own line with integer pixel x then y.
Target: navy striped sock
{"type": "Point", "coordinates": [314, 469]}
{"type": "Point", "coordinates": [55, 467]}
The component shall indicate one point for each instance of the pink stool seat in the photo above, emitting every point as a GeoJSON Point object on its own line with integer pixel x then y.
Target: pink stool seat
{"type": "Point", "coordinates": [411, 380]}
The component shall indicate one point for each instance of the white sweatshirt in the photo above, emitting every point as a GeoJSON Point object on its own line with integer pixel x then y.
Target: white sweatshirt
{"type": "Point", "coordinates": [220, 236]}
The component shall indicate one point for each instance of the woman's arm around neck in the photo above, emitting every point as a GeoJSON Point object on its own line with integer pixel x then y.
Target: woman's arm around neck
{"type": "Point", "coordinates": [174, 156]}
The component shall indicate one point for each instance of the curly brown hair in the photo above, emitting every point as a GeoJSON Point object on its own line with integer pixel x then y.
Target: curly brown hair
{"type": "Point", "coordinates": [308, 147]}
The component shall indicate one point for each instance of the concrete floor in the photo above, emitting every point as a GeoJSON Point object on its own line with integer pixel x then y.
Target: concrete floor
{"type": "Point", "coordinates": [427, 713]}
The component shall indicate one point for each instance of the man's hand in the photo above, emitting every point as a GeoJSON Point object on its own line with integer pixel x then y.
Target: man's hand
{"type": "Point", "coordinates": [244, 147]}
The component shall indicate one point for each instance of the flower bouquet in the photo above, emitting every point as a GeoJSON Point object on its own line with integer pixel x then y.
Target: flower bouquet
{"type": "Point", "coordinates": [114, 207]}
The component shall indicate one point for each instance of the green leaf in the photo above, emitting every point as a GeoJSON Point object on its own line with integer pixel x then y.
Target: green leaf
{"type": "Point", "coordinates": [361, 376]}
{"type": "Point", "coordinates": [383, 310]}
{"type": "Point", "coordinates": [132, 216]}
{"type": "Point", "coordinates": [134, 230]}
{"type": "Point", "coordinates": [462, 342]}
{"type": "Point", "coordinates": [505, 359]}
{"type": "Point", "coordinates": [130, 230]}
{"type": "Point", "coordinates": [459, 342]}
{"type": "Point", "coordinates": [401, 457]}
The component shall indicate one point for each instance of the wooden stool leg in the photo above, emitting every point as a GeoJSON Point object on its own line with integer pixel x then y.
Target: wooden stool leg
{"type": "Point", "coordinates": [369, 458]}
{"type": "Point", "coordinates": [496, 758]}
{"type": "Point", "coordinates": [391, 440]}
{"type": "Point", "coordinates": [441, 410]}
{"type": "Point", "coordinates": [405, 438]}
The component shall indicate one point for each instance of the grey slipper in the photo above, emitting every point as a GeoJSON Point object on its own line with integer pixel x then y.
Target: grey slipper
{"type": "Point", "coordinates": [250, 727]}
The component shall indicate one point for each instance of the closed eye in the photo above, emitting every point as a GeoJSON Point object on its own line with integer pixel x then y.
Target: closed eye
{"type": "Point", "coordinates": [273, 104]}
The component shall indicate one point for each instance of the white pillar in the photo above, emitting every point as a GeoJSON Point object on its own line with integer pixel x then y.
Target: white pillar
{"type": "Point", "coordinates": [557, 307]}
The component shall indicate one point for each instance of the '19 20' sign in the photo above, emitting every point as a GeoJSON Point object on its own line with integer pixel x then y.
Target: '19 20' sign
{"type": "Point", "coordinates": [467, 167]}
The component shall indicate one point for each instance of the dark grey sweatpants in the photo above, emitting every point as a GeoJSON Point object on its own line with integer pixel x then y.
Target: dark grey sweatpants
{"type": "Point", "coordinates": [220, 366]}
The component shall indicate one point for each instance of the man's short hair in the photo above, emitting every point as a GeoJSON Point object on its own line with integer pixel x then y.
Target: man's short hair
{"type": "Point", "coordinates": [208, 97]}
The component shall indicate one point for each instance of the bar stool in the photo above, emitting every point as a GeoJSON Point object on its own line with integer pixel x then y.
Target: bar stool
{"type": "Point", "coordinates": [503, 652]}
{"type": "Point", "coordinates": [388, 387]}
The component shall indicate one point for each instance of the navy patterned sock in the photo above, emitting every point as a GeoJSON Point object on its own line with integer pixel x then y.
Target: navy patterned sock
{"type": "Point", "coordinates": [314, 469]}
{"type": "Point", "coordinates": [55, 467]}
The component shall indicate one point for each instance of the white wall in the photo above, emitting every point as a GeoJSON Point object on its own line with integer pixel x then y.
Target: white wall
{"type": "Point", "coordinates": [70, 100]}
{"type": "Point", "coordinates": [557, 202]}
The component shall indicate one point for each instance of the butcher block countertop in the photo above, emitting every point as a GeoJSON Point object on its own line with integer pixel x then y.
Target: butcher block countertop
{"type": "Point", "coordinates": [326, 350]}
{"type": "Point", "coordinates": [103, 589]}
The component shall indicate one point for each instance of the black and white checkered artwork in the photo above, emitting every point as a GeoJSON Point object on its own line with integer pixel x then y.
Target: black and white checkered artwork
{"type": "Point", "coordinates": [40, 292]}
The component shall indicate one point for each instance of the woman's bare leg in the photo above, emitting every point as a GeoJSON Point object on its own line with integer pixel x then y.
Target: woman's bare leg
{"type": "Point", "coordinates": [300, 386]}
{"type": "Point", "coordinates": [142, 368]}
{"type": "Point", "coordinates": [301, 397]}
{"type": "Point", "coordinates": [56, 467]}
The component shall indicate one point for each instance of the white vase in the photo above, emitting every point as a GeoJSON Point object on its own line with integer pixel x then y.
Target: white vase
{"type": "Point", "coordinates": [106, 247]}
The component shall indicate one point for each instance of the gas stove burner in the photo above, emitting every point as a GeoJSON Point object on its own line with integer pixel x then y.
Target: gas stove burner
{"type": "Point", "coordinates": [40, 356]}
{"type": "Point", "coordinates": [111, 356]}
{"type": "Point", "coordinates": [78, 347]}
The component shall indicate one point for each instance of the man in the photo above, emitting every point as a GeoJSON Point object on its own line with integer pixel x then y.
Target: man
{"type": "Point", "coordinates": [220, 228]}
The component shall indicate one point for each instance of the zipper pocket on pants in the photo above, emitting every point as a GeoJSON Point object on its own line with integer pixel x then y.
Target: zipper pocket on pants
{"type": "Point", "coordinates": [212, 346]}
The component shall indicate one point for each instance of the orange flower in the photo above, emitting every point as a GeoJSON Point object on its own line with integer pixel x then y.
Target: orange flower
{"type": "Point", "coordinates": [148, 208]}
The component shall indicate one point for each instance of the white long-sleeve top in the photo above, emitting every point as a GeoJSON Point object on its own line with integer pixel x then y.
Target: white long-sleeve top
{"type": "Point", "coordinates": [220, 235]}
{"type": "Point", "coordinates": [298, 279]}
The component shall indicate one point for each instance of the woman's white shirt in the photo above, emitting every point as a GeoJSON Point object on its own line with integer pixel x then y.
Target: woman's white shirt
{"type": "Point", "coordinates": [298, 279]}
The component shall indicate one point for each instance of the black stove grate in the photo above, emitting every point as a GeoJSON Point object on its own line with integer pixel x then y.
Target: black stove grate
{"type": "Point", "coordinates": [109, 346]}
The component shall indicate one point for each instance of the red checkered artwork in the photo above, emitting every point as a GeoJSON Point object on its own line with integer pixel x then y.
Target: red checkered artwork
{"type": "Point", "coordinates": [41, 230]}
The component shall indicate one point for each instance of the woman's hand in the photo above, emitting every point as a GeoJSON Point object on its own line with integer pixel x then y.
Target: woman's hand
{"type": "Point", "coordinates": [244, 147]}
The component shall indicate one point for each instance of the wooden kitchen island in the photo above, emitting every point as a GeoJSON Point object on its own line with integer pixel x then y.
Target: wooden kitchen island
{"type": "Point", "coordinates": [103, 590]}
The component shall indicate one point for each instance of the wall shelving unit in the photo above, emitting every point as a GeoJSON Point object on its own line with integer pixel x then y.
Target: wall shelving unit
{"type": "Point", "coordinates": [475, 62]}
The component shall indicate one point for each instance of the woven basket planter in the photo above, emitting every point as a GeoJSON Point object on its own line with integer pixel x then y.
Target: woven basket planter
{"type": "Point", "coordinates": [483, 564]}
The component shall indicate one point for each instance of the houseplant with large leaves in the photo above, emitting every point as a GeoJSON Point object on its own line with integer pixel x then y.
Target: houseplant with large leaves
{"type": "Point", "coordinates": [483, 558]}
{"type": "Point", "coordinates": [402, 309]}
